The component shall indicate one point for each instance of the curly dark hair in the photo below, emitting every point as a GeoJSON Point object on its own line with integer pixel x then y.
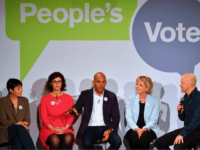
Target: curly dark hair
{"type": "Point", "coordinates": [52, 76]}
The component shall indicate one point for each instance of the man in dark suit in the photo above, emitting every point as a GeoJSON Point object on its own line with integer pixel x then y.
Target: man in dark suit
{"type": "Point", "coordinates": [101, 114]}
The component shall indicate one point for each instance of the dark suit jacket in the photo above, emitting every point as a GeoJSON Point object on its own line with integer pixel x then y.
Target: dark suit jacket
{"type": "Point", "coordinates": [110, 109]}
{"type": "Point", "coordinates": [9, 117]}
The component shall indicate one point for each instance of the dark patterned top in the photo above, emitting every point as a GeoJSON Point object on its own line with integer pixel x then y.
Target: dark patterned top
{"type": "Point", "coordinates": [191, 113]}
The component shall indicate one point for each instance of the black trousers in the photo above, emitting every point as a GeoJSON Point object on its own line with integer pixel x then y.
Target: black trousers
{"type": "Point", "coordinates": [143, 142]}
{"type": "Point", "coordinates": [20, 136]}
{"type": "Point", "coordinates": [92, 134]}
{"type": "Point", "coordinates": [168, 139]}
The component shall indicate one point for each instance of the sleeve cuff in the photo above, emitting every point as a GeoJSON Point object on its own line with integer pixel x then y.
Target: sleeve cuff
{"type": "Point", "coordinates": [183, 133]}
{"type": "Point", "coordinates": [146, 127]}
{"type": "Point", "coordinates": [135, 127]}
{"type": "Point", "coordinates": [111, 130]}
{"type": "Point", "coordinates": [69, 123]}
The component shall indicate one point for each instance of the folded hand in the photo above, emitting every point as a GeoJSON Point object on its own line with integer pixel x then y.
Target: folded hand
{"type": "Point", "coordinates": [106, 135]}
{"type": "Point", "coordinates": [24, 124]}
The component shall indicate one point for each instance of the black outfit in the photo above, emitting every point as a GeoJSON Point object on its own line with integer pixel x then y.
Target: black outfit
{"type": "Point", "coordinates": [146, 137]}
{"type": "Point", "coordinates": [191, 129]}
{"type": "Point", "coordinates": [140, 122]}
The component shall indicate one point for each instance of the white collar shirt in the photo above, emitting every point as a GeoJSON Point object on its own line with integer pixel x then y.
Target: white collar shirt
{"type": "Point", "coordinates": [97, 110]}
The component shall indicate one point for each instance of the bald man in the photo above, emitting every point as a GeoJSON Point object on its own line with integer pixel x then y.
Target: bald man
{"type": "Point", "coordinates": [189, 112]}
{"type": "Point", "coordinates": [101, 114]}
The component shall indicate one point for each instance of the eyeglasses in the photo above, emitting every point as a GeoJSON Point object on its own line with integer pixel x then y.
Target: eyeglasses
{"type": "Point", "coordinates": [54, 82]}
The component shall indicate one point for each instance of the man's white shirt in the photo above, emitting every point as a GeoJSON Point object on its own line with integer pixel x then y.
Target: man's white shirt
{"type": "Point", "coordinates": [97, 110]}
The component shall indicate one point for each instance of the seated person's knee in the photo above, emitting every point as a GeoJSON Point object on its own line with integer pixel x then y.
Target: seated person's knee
{"type": "Point", "coordinates": [20, 128]}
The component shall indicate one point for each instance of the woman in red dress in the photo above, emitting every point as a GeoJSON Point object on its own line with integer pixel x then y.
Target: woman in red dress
{"type": "Point", "coordinates": [56, 131]}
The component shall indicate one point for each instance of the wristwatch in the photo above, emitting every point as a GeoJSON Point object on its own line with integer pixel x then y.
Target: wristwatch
{"type": "Point", "coordinates": [111, 130]}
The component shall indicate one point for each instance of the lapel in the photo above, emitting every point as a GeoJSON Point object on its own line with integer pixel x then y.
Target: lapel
{"type": "Point", "coordinates": [10, 105]}
{"type": "Point", "coordinates": [105, 96]}
{"type": "Point", "coordinates": [90, 98]}
{"type": "Point", "coordinates": [146, 108]}
{"type": "Point", "coordinates": [20, 103]}
{"type": "Point", "coordinates": [136, 106]}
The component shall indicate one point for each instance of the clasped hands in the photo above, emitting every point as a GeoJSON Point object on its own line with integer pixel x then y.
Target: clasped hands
{"type": "Point", "coordinates": [60, 130]}
{"type": "Point", "coordinates": [24, 124]}
{"type": "Point", "coordinates": [140, 131]}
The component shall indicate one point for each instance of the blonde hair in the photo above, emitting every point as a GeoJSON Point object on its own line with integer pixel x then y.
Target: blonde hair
{"type": "Point", "coordinates": [147, 81]}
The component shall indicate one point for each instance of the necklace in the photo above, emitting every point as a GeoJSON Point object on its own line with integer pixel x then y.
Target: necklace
{"type": "Point", "coordinates": [54, 101]}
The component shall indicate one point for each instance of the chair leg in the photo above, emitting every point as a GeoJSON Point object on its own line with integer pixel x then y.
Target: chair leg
{"type": "Point", "coordinates": [10, 147]}
{"type": "Point", "coordinates": [103, 146]}
{"type": "Point", "coordinates": [192, 148]}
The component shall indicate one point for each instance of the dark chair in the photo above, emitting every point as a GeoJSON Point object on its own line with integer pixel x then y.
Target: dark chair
{"type": "Point", "coordinates": [9, 145]}
{"type": "Point", "coordinates": [194, 147]}
{"type": "Point", "coordinates": [99, 144]}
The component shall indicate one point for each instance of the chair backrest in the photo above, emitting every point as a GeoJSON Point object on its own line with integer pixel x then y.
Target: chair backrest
{"type": "Point", "coordinates": [7, 144]}
{"type": "Point", "coordinates": [100, 142]}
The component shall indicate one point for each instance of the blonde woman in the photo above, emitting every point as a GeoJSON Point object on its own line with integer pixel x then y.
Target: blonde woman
{"type": "Point", "coordinates": [142, 112]}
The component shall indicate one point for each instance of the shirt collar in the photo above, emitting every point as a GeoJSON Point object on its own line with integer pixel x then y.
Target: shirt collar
{"type": "Point", "coordinates": [192, 94]}
{"type": "Point", "coordinates": [97, 94]}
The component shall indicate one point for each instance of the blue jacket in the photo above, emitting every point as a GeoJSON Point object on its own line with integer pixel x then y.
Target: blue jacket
{"type": "Point", "coordinates": [151, 113]}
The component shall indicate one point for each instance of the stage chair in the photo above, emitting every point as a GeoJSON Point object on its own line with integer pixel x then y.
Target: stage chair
{"type": "Point", "coordinates": [9, 145]}
{"type": "Point", "coordinates": [196, 147]}
{"type": "Point", "coordinates": [99, 143]}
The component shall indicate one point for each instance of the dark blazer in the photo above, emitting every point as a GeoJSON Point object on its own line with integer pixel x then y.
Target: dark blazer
{"type": "Point", "coordinates": [110, 109]}
{"type": "Point", "coordinates": [9, 117]}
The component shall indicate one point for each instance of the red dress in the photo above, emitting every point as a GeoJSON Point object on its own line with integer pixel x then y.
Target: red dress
{"type": "Point", "coordinates": [53, 114]}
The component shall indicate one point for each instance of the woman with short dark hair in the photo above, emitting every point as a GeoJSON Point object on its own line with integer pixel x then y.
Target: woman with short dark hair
{"type": "Point", "coordinates": [56, 131]}
{"type": "Point", "coordinates": [15, 117]}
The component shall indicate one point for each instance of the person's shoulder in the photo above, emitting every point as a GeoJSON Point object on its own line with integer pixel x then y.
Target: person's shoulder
{"type": "Point", "coordinates": [109, 93]}
{"type": "Point", "coordinates": [198, 96]}
{"type": "Point", "coordinates": [152, 98]}
{"type": "Point", "coordinates": [67, 96]}
{"type": "Point", "coordinates": [85, 92]}
{"type": "Point", "coordinates": [132, 98]}
{"type": "Point", "coordinates": [46, 97]}
{"type": "Point", "coordinates": [24, 99]}
{"type": "Point", "coordinates": [3, 101]}
{"type": "Point", "coordinates": [3, 98]}
{"type": "Point", "coordinates": [198, 92]}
